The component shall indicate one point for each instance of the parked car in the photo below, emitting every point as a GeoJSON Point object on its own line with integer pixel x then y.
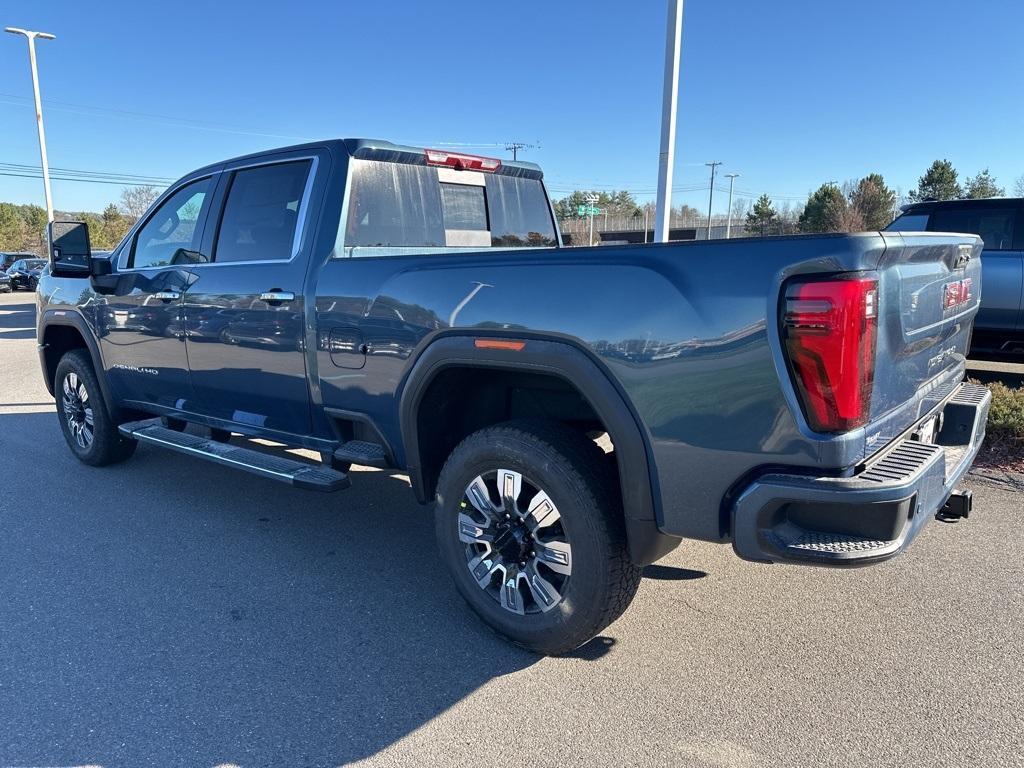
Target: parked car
{"type": "Point", "coordinates": [5, 283]}
{"type": "Point", "coordinates": [999, 327]}
{"type": "Point", "coordinates": [24, 274]}
{"type": "Point", "coordinates": [7, 259]}
{"type": "Point", "coordinates": [800, 398]}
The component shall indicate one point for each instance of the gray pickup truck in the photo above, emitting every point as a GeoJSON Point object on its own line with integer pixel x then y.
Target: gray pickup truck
{"type": "Point", "coordinates": [574, 413]}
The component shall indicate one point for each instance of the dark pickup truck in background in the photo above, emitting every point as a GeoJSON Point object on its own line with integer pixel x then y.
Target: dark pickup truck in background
{"type": "Point", "coordinates": [999, 222]}
{"type": "Point", "coordinates": [574, 413]}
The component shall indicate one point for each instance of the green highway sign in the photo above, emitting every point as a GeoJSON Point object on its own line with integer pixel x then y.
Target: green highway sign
{"type": "Point", "coordinates": [587, 210]}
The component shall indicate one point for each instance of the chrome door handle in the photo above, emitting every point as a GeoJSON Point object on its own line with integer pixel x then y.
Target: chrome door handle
{"type": "Point", "coordinates": [277, 296]}
{"type": "Point", "coordinates": [167, 295]}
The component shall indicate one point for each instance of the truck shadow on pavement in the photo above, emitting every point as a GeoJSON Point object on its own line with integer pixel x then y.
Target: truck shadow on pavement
{"type": "Point", "coordinates": [167, 611]}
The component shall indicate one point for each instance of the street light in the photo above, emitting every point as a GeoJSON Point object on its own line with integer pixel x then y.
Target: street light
{"type": "Point", "coordinates": [728, 222]}
{"type": "Point", "coordinates": [31, 37]}
{"type": "Point", "coordinates": [669, 99]}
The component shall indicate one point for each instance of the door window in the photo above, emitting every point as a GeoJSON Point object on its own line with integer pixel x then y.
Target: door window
{"type": "Point", "coordinates": [171, 235]}
{"type": "Point", "coordinates": [261, 213]}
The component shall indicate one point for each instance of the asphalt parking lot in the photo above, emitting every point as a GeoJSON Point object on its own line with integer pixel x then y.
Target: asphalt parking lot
{"type": "Point", "coordinates": [168, 612]}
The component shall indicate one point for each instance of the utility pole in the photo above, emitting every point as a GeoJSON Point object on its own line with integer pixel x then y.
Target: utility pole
{"type": "Point", "coordinates": [670, 95]}
{"type": "Point", "coordinates": [711, 192]}
{"type": "Point", "coordinates": [515, 146]}
{"type": "Point", "coordinates": [31, 37]}
{"type": "Point", "coordinates": [728, 222]}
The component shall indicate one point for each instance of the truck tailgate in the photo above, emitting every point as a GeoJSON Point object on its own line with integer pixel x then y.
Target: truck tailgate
{"type": "Point", "coordinates": [929, 294]}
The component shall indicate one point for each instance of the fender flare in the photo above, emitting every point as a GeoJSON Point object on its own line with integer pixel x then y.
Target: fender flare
{"type": "Point", "coordinates": [74, 320]}
{"type": "Point", "coordinates": [577, 366]}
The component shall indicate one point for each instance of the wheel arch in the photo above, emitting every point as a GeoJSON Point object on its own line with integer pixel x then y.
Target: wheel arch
{"type": "Point", "coordinates": [59, 333]}
{"type": "Point", "coordinates": [564, 360]}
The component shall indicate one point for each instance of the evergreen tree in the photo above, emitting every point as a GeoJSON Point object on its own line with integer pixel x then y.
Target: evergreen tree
{"type": "Point", "coordinates": [761, 217]}
{"type": "Point", "coordinates": [982, 185]}
{"type": "Point", "coordinates": [873, 201]}
{"type": "Point", "coordinates": [826, 210]}
{"type": "Point", "coordinates": [938, 183]}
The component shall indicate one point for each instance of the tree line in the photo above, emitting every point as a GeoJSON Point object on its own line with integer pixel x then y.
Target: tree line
{"type": "Point", "coordinates": [864, 204]}
{"type": "Point", "coordinates": [23, 227]}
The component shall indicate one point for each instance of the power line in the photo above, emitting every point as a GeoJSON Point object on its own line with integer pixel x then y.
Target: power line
{"type": "Point", "coordinates": [71, 178]}
{"type": "Point", "coordinates": [85, 109]}
{"type": "Point", "coordinates": [128, 177]}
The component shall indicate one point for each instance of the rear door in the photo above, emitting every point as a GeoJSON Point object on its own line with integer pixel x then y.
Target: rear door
{"type": "Point", "coordinates": [139, 322]}
{"type": "Point", "coordinates": [244, 313]}
{"type": "Point", "coordinates": [1002, 263]}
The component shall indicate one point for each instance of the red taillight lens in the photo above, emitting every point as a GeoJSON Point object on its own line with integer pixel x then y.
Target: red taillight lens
{"type": "Point", "coordinates": [830, 329]}
{"type": "Point", "coordinates": [462, 162]}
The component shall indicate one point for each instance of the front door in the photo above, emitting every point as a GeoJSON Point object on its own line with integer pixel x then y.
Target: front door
{"type": "Point", "coordinates": [244, 312]}
{"type": "Point", "coordinates": [139, 322]}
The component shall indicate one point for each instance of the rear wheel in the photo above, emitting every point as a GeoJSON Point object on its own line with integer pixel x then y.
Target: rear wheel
{"type": "Point", "coordinates": [529, 523]}
{"type": "Point", "coordinates": [88, 428]}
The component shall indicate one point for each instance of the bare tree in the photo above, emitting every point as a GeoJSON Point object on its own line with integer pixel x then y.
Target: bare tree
{"type": "Point", "coordinates": [135, 201]}
{"type": "Point", "coordinates": [1019, 187]}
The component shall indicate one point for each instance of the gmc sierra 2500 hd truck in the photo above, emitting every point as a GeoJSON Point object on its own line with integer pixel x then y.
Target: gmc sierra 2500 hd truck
{"type": "Point", "coordinates": [574, 413]}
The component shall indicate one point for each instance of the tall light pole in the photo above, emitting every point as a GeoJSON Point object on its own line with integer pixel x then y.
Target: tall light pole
{"type": "Point", "coordinates": [711, 192]}
{"type": "Point", "coordinates": [31, 37]}
{"type": "Point", "coordinates": [728, 222]}
{"type": "Point", "coordinates": [666, 159]}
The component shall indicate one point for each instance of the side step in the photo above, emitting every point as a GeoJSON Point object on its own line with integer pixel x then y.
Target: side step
{"type": "Point", "coordinates": [361, 452]}
{"type": "Point", "coordinates": [297, 473]}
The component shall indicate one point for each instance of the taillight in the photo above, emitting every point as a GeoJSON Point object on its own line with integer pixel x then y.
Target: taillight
{"type": "Point", "coordinates": [462, 162]}
{"type": "Point", "coordinates": [830, 328]}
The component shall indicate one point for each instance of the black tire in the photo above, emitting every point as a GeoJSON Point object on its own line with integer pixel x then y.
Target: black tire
{"type": "Point", "coordinates": [107, 445]}
{"type": "Point", "coordinates": [575, 474]}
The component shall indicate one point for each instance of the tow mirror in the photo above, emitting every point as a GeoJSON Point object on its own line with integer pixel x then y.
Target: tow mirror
{"type": "Point", "coordinates": [70, 253]}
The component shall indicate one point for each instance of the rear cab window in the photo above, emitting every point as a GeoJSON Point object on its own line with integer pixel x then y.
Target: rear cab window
{"type": "Point", "coordinates": [404, 208]}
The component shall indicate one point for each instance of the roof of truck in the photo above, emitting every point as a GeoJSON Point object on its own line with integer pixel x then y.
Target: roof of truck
{"type": "Point", "coordinates": [981, 202]}
{"type": "Point", "coordinates": [364, 147]}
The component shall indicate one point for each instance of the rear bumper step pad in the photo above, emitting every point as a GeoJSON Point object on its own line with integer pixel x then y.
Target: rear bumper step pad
{"type": "Point", "coordinates": [873, 515]}
{"type": "Point", "coordinates": [292, 471]}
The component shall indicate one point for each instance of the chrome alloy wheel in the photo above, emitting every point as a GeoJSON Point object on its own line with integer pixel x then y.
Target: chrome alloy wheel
{"type": "Point", "coordinates": [77, 410]}
{"type": "Point", "coordinates": [516, 547]}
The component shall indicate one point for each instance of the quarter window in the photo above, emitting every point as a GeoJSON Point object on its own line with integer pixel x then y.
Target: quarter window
{"type": "Point", "coordinates": [261, 213]}
{"type": "Point", "coordinates": [171, 236]}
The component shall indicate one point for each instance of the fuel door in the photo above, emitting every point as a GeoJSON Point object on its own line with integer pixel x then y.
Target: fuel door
{"type": "Point", "coordinates": [347, 348]}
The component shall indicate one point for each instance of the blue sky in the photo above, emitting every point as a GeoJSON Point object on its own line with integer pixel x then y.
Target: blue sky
{"type": "Point", "coordinates": [788, 94]}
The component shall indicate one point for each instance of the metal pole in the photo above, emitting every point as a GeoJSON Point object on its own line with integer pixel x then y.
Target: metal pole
{"type": "Point", "coordinates": [711, 192]}
{"type": "Point", "coordinates": [728, 222]}
{"type": "Point", "coordinates": [646, 213]}
{"type": "Point", "coordinates": [31, 37]}
{"type": "Point", "coordinates": [666, 159]}
{"type": "Point", "coordinates": [591, 202]}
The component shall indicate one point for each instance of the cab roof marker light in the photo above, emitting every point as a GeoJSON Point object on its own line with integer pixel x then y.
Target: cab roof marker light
{"type": "Point", "coordinates": [461, 161]}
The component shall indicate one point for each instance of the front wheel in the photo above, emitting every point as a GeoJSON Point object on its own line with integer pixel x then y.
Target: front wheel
{"type": "Point", "coordinates": [530, 525]}
{"type": "Point", "coordinates": [88, 428]}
